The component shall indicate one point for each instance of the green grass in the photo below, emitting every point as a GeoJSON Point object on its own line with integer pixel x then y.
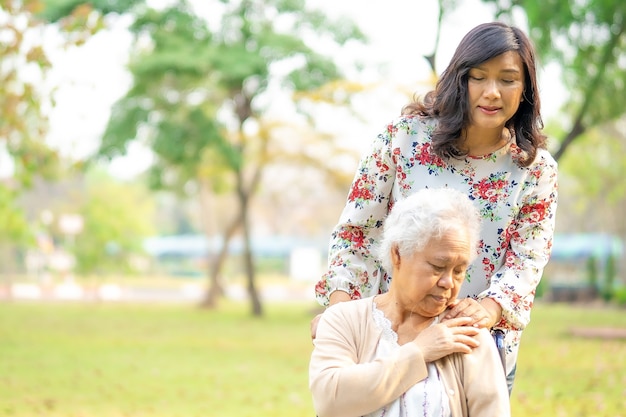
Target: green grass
{"type": "Point", "coordinates": [560, 374]}
{"type": "Point", "coordinates": [97, 360]}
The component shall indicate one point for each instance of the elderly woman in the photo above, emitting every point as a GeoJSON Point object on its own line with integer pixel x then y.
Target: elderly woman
{"type": "Point", "coordinates": [392, 354]}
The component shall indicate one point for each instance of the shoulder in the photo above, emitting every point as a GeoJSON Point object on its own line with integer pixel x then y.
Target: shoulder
{"type": "Point", "coordinates": [353, 308]}
{"type": "Point", "coordinates": [421, 123]}
{"type": "Point", "coordinates": [544, 168]}
{"type": "Point", "coordinates": [544, 157]}
{"type": "Point", "coordinates": [412, 124]}
{"type": "Point", "coordinates": [408, 129]}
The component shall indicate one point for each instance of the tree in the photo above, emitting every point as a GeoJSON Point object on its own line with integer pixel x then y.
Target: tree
{"type": "Point", "coordinates": [24, 24]}
{"type": "Point", "coordinates": [118, 216]}
{"type": "Point", "coordinates": [588, 40]}
{"type": "Point", "coordinates": [200, 97]}
{"type": "Point", "coordinates": [114, 217]}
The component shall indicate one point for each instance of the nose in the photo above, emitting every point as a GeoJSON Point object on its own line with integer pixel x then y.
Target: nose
{"type": "Point", "coordinates": [491, 90]}
{"type": "Point", "coordinates": [446, 280]}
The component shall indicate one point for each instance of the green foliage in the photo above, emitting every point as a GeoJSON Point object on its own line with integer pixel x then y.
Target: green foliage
{"type": "Point", "coordinates": [620, 296]}
{"type": "Point", "coordinates": [56, 10]}
{"type": "Point", "coordinates": [117, 218]}
{"type": "Point", "coordinates": [189, 73]}
{"type": "Point", "coordinates": [197, 89]}
{"type": "Point", "coordinates": [608, 286]}
{"type": "Point", "coordinates": [24, 123]}
{"type": "Point", "coordinates": [595, 169]}
{"type": "Point", "coordinates": [588, 40]}
{"type": "Point", "coordinates": [13, 224]}
{"type": "Point", "coordinates": [592, 273]}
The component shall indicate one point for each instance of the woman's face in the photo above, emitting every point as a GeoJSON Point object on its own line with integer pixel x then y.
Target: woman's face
{"type": "Point", "coordinates": [427, 281]}
{"type": "Point", "coordinates": [495, 90]}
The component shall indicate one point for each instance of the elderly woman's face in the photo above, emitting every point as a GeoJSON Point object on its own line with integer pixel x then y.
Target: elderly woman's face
{"type": "Point", "coordinates": [429, 280]}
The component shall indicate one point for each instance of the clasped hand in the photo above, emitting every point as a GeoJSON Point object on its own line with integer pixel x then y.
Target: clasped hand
{"type": "Point", "coordinates": [483, 314]}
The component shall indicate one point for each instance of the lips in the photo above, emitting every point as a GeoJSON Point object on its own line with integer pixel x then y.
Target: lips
{"type": "Point", "coordinates": [489, 109]}
{"type": "Point", "coordinates": [440, 299]}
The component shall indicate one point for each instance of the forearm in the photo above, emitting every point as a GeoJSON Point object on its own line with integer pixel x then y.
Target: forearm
{"type": "Point", "coordinates": [340, 388]}
{"type": "Point", "coordinates": [493, 309]}
{"type": "Point", "coordinates": [353, 266]}
{"type": "Point", "coordinates": [514, 284]}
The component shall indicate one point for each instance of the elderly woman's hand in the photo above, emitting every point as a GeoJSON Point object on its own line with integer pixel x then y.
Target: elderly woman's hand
{"type": "Point", "coordinates": [450, 336]}
{"type": "Point", "coordinates": [484, 314]}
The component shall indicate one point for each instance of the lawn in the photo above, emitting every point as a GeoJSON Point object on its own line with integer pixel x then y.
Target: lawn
{"type": "Point", "coordinates": [97, 360]}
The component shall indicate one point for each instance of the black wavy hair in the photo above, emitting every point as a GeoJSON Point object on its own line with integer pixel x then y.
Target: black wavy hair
{"type": "Point", "coordinates": [449, 102]}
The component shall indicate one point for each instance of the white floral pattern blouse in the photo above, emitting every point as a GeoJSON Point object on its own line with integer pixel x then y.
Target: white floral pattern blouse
{"type": "Point", "coordinates": [517, 205]}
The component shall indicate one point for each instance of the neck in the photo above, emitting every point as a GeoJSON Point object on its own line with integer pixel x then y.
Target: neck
{"type": "Point", "coordinates": [403, 320]}
{"type": "Point", "coordinates": [478, 141]}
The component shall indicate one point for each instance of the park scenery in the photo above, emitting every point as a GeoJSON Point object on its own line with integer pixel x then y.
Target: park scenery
{"type": "Point", "coordinates": [171, 172]}
{"type": "Point", "coordinates": [174, 359]}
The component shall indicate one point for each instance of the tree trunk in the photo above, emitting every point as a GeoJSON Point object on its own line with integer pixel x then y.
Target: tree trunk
{"type": "Point", "coordinates": [216, 290]}
{"type": "Point", "coordinates": [577, 130]}
{"type": "Point", "coordinates": [255, 301]}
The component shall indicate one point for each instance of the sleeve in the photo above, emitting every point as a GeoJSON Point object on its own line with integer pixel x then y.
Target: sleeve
{"type": "Point", "coordinates": [352, 259]}
{"type": "Point", "coordinates": [484, 382]}
{"type": "Point", "coordinates": [341, 386]}
{"type": "Point", "coordinates": [530, 238]}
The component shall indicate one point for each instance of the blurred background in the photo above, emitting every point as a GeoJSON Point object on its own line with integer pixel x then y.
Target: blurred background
{"type": "Point", "coordinates": [200, 150]}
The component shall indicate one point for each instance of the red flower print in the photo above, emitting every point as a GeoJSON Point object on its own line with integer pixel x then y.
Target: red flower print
{"type": "Point", "coordinates": [400, 175]}
{"type": "Point", "coordinates": [320, 288]}
{"type": "Point", "coordinates": [382, 167]}
{"type": "Point", "coordinates": [360, 190]}
{"type": "Point", "coordinates": [535, 212]}
{"type": "Point", "coordinates": [356, 294]}
{"type": "Point", "coordinates": [355, 236]}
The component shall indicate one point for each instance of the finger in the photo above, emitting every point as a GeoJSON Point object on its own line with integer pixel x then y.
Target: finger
{"type": "Point", "coordinates": [458, 321]}
{"type": "Point", "coordinates": [454, 303]}
{"type": "Point", "coordinates": [467, 341]}
{"type": "Point", "coordinates": [465, 330]}
{"type": "Point", "coordinates": [460, 307]}
{"type": "Point", "coordinates": [314, 322]}
{"type": "Point", "coordinates": [483, 322]}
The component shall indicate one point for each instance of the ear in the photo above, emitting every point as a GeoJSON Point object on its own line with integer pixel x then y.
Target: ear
{"type": "Point", "coordinates": [395, 256]}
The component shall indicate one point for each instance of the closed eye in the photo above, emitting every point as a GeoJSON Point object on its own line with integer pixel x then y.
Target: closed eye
{"type": "Point", "coordinates": [437, 268]}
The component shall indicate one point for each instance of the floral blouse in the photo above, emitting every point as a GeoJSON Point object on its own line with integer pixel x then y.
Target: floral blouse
{"type": "Point", "coordinates": [517, 206]}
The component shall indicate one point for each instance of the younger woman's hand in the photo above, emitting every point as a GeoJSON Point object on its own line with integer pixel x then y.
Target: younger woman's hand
{"type": "Point", "coordinates": [468, 307]}
{"type": "Point", "coordinates": [442, 339]}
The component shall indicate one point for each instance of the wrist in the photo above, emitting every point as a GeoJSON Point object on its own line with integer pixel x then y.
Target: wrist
{"type": "Point", "coordinates": [494, 310]}
{"type": "Point", "coordinates": [338, 296]}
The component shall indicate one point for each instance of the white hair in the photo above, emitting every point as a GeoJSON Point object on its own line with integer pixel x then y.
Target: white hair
{"type": "Point", "coordinates": [428, 214]}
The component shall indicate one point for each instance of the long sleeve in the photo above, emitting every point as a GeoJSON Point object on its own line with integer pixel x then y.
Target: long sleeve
{"type": "Point", "coordinates": [527, 243]}
{"type": "Point", "coordinates": [352, 260]}
{"type": "Point", "coordinates": [343, 378]}
{"type": "Point", "coordinates": [476, 383]}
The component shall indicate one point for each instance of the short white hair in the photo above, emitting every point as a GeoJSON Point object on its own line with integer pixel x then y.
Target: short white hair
{"type": "Point", "coordinates": [428, 214]}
